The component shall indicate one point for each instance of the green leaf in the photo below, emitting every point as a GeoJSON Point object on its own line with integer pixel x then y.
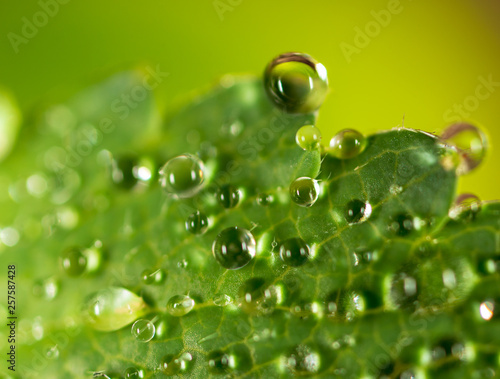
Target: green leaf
{"type": "Point", "coordinates": [397, 290]}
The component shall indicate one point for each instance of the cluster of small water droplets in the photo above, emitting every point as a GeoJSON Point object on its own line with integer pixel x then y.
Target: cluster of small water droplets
{"type": "Point", "coordinates": [303, 360]}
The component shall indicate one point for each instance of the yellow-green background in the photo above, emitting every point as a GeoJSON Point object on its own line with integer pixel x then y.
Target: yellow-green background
{"type": "Point", "coordinates": [428, 58]}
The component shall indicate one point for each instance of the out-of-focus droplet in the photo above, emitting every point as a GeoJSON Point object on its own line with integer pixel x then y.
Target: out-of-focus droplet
{"type": "Point", "coordinates": [294, 252]}
{"type": "Point", "coordinates": [180, 305]}
{"type": "Point", "coordinates": [9, 236]}
{"type": "Point", "coordinates": [466, 207]}
{"type": "Point", "coordinates": [357, 211]}
{"type": "Point", "coordinates": [303, 360]}
{"type": "Point", "coordinates": [37, 185]}
{"type": "Point", "coordinates": [347, 143]}
{"type": "Point", "coordinates": [487, 310]}
{"type": "Point", "coordinates": [234, 248]}
{"type": "Point", "coordinates": [10, 121]}
{"type": "Point", "coordinates": [308, 137]}
{"type": "Point", "coordinates": [153, 276]}
{"type": "Point", "coordinates": [133, 373]}
{"type": "Point", "coordinates": [222, 300]}
{"type": "Point", "coordinates": [264, 199]}
{"type": "Point", "coordinates": [176, 365]}
{"type": "Point", "coordinates": [296, 82]}
{"type": "Point", "coordinates": [258, 297]}
{"type": "Point", "coordinates": [183, 176]}
{"type": "Point", "coordinates": [52, 352]}
{"type": "Point", "coordinates": [304, 191]}
{"type": "Point", "coordinates": [48, 288]}
{"type": "Point", "coordinates": [402, 225]}
{"type": "Point", "coordinates": [470, 142]}
{"type": "Point", "coordinates": [73, 262]}
{"type": "Point", "coordinates": [113, 308]}
{"type": "Point", "coordinates": [197, 223]}
{"type": "Point", "coordinates": [220, 362]}
{"type": "Point", "coordinates": [143, 330]}
{"type": "Point", "coordinates": [228, 196]}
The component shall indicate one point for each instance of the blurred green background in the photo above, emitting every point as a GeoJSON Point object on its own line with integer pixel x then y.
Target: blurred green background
{"type": "Point", "coordinates": [418, 58]}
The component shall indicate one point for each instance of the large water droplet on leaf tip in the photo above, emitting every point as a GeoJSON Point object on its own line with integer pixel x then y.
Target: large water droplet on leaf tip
{"type": "Point", "coordinates": [308, 137]}
{"type": "Point", "coordinates": [234, 248]}
{"type": "Point", "coordinates": [296, 82]}
{"type": "Point", "coordinates": [471, 143]}
{"type": "Point", "coordinates": [183, 176]}
{"type": "Point", "coordinates": [304, 191]}
{"type": "Point", "coordinates": [347, 143]}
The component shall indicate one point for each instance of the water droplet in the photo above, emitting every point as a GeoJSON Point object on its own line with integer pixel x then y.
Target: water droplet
{"type": "Point", "coordinates": [466, 207]}
{"type": "Point", "coordinates": [304, 191]}
{"type": "Point", "coordinates": [404, 291]}
{"type": "Point", "coordinates": [153, 276]}
{"type": "Point", "coordinates": [487, 310]}
{"type": "Point", "coordinates": [180, 305]}
{"type": "Point", "coordinates": [173, 365]}
{"type": "Point", "coordinates": [9, 236]}
{"type": "Point", "coordinates": [48, 288]}
{"type": "Point", "coordinates": [113, 308]}
{"type": "Point", "coordinates": [357, 211]}
{"type": "Point", "coordinates": [183, 263]}
{"type": "Point", "coordinates": [122, 171]}
{"type": "Point", "coordinates": [258, 297]}
{"type": "Point", "coordinates": [303, 360]}
{"type": "Point", "coordinates": [220, 362]}
{"type": "Point", "coordinates": [143, 330]}
{"type": "Point", "coordinates": [294, 252]}
{"type": "Point", "coordinates": [161, 328]}
{"type": "Point", "coordinates": [197, 223]}
{"type": "Point", "coordinates": [74, 262]}
{"type": "Point", "coordinates": [234, 248]}
{"type": "Point", "coordinates": [449, 279]}
{"type": "Point", "coordinates": [296, 82]}
{"type": "Point", "coordinates": [347, 143]}
{"type": "Point", "coordinates": [305, 309]}
{"type": "Point", "coordinates": [133, 373]}
{"type": "Point", "coordinates": [402, 225]}
{"type": "Point", "coordinates": [52, 352]}
{"type": "Point", "coordinates": [228, 196]}
{"type": "Point", "coordinates": [37, 185]}
{"type": "Point", "coordinates": [222, 300]}
{"type": "Point", "coordinates": [448, 348]}
{"type": "Point", "coordinates": [183, 175]}
{"type": "Point", "coordinates": [264, 199]}
{"type": "Point", "coordinates": [470, 142]}
{"type": "Point", "coordinates": [308, 137]}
